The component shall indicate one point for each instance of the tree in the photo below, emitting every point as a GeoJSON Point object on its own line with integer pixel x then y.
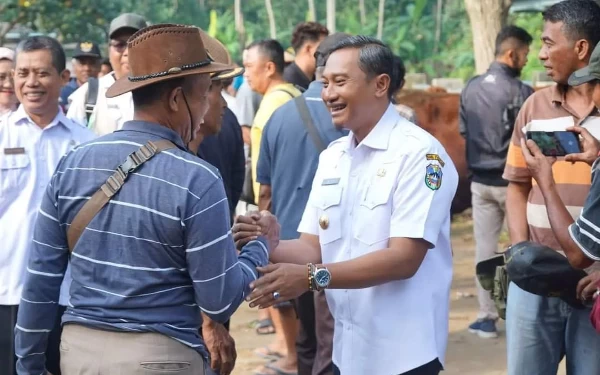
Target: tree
{"type": "Point", "coordinates": [487, 18]}
{"type": "Point", "coordinates": [272, 26]}
{"type": "Point", "coordinates": [13, 16]}
{"type": "Point", "coordinates": [380, 19]}
{"type": "Point", "coordinates": [331, 16]}
{"type": "Point", "coordinates": [312, 12]}
{"type": "Point", "coordinates": [363, 12]}
{"type": "Point", "coordinates": [239, 23]}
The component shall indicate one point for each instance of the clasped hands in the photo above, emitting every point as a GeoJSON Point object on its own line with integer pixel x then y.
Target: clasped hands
{"type": "Point", "coordinates": [540, 166]}
{"type": "Point", "coordinates": [279, 282]}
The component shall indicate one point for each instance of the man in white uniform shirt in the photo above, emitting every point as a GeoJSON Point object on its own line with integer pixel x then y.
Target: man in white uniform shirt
{"type": "Point", "coordinates": [108, 114]}
{"type": "Point", "coordinates": [33, 139]}
{"type": "Point", "coordinates": [375, 233]}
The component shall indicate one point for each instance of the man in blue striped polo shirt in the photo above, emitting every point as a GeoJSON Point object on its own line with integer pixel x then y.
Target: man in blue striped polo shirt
{"type": "Point", "coordinates": [160, 252]}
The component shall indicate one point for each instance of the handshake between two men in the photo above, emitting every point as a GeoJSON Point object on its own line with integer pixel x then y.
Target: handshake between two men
{"type": "Point", "coordinates": [288, 276]}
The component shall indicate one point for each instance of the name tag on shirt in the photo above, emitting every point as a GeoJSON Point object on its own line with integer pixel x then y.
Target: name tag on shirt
{"type": "Point", "coordinates": [330, 181]}
{"type": "Point", "coordinates": [14, 151]}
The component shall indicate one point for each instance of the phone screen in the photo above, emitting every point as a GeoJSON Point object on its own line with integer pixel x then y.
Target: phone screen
{"type": "Point", "coordinates": [559, 143]}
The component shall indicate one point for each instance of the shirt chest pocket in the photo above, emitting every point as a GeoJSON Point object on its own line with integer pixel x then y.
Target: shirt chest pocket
{"type": "Point", "coordinates": [14, 169]}
{"type": "Point", "coordinates": [329, 208]}
{"type": "Point", "coordinates": [374, 211]}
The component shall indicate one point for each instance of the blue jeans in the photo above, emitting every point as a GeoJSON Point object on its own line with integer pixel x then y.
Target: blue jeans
{"type": "Point", "coordinates": [541, 331]}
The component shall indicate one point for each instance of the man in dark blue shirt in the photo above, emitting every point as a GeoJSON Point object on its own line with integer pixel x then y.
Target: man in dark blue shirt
{"type": "Point", "coordinates": [286, 168]}
{"type": "Point", "coordinates": [219, 140]}
{"type": "Point", "coordinates": [225, 150]}
{"type": "Point", "coordinates": [86, 63]}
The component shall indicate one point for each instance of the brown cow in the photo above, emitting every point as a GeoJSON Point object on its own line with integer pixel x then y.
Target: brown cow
{"type": "Point", "coordinates": [437, 113]}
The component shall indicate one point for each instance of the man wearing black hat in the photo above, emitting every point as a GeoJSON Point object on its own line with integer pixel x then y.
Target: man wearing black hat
{"type": "Point", "coordinates": [292, 140]}
{"type": "Point", "coordinates": [89, 104]}
{"type": "Point", "coordinates": [86, 63]}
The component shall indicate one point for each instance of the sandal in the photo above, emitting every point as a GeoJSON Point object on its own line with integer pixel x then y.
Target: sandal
{"type": "Point", "coordinates": [264, 327]}
{"type": "Point", "coordinates": [267, 353]}
{"type": "Point", "coordinates": [277, 371]}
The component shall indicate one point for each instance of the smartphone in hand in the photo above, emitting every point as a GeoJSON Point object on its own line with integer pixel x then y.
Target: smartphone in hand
{"type": "Point", "coordinates": [558, 143]}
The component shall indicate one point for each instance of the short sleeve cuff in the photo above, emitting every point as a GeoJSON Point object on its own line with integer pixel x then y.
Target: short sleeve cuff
{"type": "Point", "coordinates": [514, 174]}
{"type": "Point", "coordinates": [588, 244]}
{"type": "Point", "coordinates": [263, 179]}
{"type": "Point", "coordinates": [406, 231]}
{"type": "Point", "coordinates": [308, 225]}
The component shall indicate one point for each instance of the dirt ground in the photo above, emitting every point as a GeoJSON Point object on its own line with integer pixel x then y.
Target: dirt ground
{"type": "Point", "coordinates": [467, 354]}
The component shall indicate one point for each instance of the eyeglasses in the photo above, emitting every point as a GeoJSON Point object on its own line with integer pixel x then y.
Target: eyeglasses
{"type": "Point", "coordinates": [119, 46]}
{"type": "Point", "coordinates": [5, 77]}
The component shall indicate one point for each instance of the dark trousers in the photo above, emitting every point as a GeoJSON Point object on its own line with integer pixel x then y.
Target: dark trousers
{"type": "Point", "coordinates": [8, 320]}
{"type": "Point", "coordinates": [315, 339]}
{"type": "Point", "coordinates": [432, 368]}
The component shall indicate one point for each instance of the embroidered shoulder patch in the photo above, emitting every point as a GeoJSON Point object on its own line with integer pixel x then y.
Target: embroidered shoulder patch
{"type": "Point", "coordinates": [433, 176]}
{"type": "Point", "coordinates": [435, 157]}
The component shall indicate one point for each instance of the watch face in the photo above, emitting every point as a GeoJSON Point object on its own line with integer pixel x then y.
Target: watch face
{"type": "Point", "coordinates": [322, 278]}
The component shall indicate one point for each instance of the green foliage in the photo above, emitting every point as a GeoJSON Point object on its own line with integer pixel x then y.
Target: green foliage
{"type": "Point", "coordinates": [533, 23]}
{"type": "Point", "coordinates": [409, 25]}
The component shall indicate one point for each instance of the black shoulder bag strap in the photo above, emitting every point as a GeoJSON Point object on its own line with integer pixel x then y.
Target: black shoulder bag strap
{"type": "Point", "coordinates": [309, 123]}
{"type": "Point", "coordinates": [92, 97]}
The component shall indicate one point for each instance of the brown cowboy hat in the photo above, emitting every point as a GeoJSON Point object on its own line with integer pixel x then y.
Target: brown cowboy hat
{"type": "Point", "coordinates": [163, 52]}
{"type": "Point", "coordinates": [218, 52]}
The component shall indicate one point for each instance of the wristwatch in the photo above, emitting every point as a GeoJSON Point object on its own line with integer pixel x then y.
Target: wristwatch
{"type": "Point", "coordinates": [321, 278]}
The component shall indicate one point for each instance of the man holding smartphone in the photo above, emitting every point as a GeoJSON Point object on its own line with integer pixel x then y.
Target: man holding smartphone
{"type": "Point", "coordinates": [540, 331]}
{"type": "Point", "coordinates": [580, 239]}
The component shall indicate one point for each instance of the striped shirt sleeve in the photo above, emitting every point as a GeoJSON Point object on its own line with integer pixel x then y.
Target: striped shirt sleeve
{"type": "Point", "coordinates": [221, 278]}
{"type": "Point", "coordinates": [516, 167]}
{"type": "Point", "coordinates": [39, 300]}
{"type": "Point", "coordinates": [585, 231]}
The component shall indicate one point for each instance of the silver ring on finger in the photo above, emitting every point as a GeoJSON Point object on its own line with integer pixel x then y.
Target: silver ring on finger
{"type": "Point", "coordinates": [276, 295]}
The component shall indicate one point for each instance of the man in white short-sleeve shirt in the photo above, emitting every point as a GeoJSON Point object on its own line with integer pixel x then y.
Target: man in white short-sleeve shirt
{"type": "Point", "coordinates": [33, 139]}
{"type": "Point", "coordinates": [375, 233]}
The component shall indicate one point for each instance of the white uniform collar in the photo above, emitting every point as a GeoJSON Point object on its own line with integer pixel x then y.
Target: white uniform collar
{"type": "Point", "coordinates": [21, 117]}
{"type": "Point", "coordinates": [379, 137]}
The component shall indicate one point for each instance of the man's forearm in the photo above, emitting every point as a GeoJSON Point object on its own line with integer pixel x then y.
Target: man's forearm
{"type": "Point", "coordinates": [246, 134]}
{"type": "Point", "coordinates": [264, 198]}
{"type": "Point", "coordinates": [207, 321]}
{"type": "Point", "coordinates": [516, 211]}
{"type": "Point", "coordinates": [560, 220]}
{"type": "Point", "coordinates": [376, 268]}
{"type": "Point", "coordinates": [297, 251]}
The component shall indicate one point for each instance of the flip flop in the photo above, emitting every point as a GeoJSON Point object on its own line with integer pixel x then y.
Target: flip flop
{"type": "Point", "coordinates": [267, 354]}
{"type": "Point", "coordinates": [264, 327]}
{"type": "Point", "coordinates": [278, 371]}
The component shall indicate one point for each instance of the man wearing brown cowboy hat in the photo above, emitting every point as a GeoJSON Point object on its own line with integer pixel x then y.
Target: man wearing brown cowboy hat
{"type": "Point", "coordinates": [145, 225]}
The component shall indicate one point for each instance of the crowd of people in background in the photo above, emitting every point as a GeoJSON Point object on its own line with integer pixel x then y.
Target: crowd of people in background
{"type": "Point", "coordinates": [337, 202]}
